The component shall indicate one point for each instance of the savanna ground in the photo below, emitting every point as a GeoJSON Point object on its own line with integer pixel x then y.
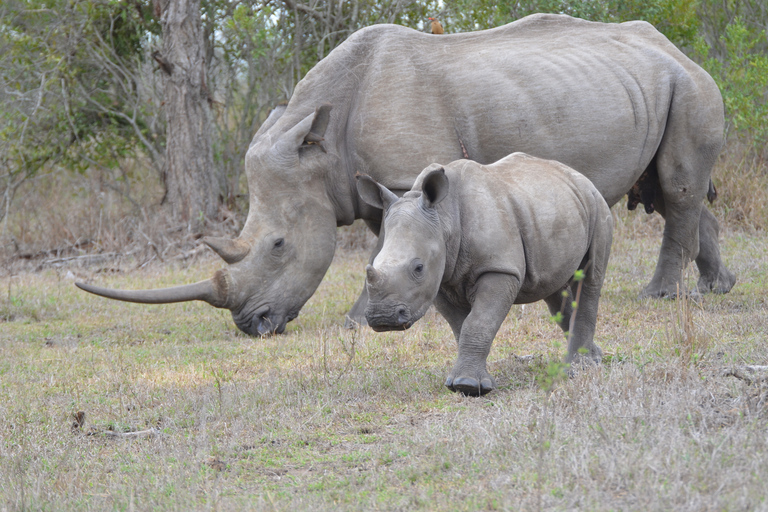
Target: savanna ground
{"type": "Point", "coordinates": [184, 412]}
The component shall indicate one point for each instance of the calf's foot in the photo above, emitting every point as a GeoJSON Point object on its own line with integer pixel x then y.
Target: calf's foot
{"type": "Point", "coordinates": [475, 383]}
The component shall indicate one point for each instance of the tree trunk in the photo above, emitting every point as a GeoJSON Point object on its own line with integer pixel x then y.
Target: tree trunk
{"type": "Point", "coordinates": [192, 183]}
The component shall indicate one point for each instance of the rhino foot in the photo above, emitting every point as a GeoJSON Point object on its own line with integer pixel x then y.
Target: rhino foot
{"type": "Point", "coordinates": [580, 362]}
{"type": "Point", "coordinates": [655, 291]}
{"type": "Point", "coordinates": [471, 386]}
{"type": "Point", "coordinates": [721, 283]}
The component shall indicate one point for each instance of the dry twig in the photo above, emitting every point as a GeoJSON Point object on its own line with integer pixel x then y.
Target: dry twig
{"type": "Point", "coordinates": [749, 373]}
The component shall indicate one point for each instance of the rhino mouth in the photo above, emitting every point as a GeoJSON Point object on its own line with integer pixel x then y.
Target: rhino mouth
{"type": "Point", "coordinates": [395, 319]}
{"type": "Point", "coordinates": [385, 328]}
{"type": "Point", "coordinates": [265, 322]}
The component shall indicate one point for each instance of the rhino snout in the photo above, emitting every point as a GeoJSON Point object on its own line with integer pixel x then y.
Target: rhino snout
{"type": "Point", "coordinates": [397, 318]}
{"type": "Point", "coordinates": [263, 322]}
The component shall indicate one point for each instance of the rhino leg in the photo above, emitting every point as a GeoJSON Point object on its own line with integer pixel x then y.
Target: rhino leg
{"type": "Point", "coordinates": [454, 315]}
{"type": "Point", "coordinates": [581, 347]}
{"type": "Point", "coordinates": [684, 163]}
{"type": "Point", "coordinates": [356, 315]}
{"type": "Point", "coordinates": [715, 277]}
{"type": "Point", "coordinates": [584, 326]}
{"type": "Point", "coordinates": [579, 324]}
{"type": "Point", "coordinates": [559, 303]}
{"type": "Point", "coordinates": [581, 331]}
{"type": "Point", "coordinates": [494, 296]}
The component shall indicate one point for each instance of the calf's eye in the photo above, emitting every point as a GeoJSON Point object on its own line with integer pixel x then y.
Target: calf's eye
{"type": "Point", "coordinates": [279, 242]}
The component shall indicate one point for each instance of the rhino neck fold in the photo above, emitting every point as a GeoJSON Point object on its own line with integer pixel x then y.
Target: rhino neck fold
{"type": "Point", "coordinates": [449, 215]}
{"type": "Point", "coordinates": [342, 194]}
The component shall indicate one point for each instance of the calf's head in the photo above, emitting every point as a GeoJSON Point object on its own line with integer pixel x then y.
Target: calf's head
{"type": "Point", "coordinates": [288, 241]}
{"type": "Point", "coordinates": [405, 276]}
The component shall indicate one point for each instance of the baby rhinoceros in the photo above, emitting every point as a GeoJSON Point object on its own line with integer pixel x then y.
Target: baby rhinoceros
{"type": "Point", "coordinates": [512, 232]}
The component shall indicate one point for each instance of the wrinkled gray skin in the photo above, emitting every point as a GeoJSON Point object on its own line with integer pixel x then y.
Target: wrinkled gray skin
{"type": "Point", "coordinates": [476, 239]}
{"type": "Point", "coordinates": [609, 100]}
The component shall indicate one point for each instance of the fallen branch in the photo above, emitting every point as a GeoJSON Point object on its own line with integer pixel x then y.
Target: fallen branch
{"type": "Point", "coordinates": [59, 250]}
{"type": "Point", "coordinates": [84, 257]}
{"type": "Point", "coordinates": [188, 254]}
{"type": "Point", "coordinates": [750, 374]}
{"type": "Point", "coordinates": [130, 435]}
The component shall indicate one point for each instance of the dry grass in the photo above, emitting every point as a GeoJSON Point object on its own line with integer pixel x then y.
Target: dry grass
{"type": "Point", "coordinates": [93, 218]}
{"type": "Point", "coordinates": [742, 183]}
{"type": "Point", "coordinates": [328, 419]}
{"type": "Point", "coordinates": [323, 418]}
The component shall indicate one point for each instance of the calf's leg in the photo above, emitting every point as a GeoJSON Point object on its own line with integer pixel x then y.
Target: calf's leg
{"type": "Point", "coordinates": [581, 332]}
{"type": "Point", "coordinates": [493, 298]}
{"type": "Point", "coordinates": [560, 302]}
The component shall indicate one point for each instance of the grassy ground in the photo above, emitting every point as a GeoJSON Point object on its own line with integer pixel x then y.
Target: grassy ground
{"type": "Point", "coordinates": [324, 418]}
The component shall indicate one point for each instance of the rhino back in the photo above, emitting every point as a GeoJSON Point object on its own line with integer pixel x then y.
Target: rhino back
{"type": "Point", "coordinates": [523, 216]}
{"type": "Point", "coordinates": [545, 85]}
{"type": "Point", "coordinates": [594, 96]}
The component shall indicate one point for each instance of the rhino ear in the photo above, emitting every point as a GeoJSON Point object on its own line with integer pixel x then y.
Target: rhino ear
{"type": "Point", "coordinates": [319, 124]}
{"type": "Point", "coordinates": [374, 194]}
{"type": "Point", "coordinates": [307, 132]}
{"type": "Point", "coordinates": [434, 187]}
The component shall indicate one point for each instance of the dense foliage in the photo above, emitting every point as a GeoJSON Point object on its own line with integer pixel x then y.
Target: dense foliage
{"type": "Point", "coordinates": [80, 90]}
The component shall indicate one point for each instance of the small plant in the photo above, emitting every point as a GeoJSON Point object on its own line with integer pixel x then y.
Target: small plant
{"type": "Point", "coordinates": [688, 341]}
{"type": "Point", "coordinates": [555, 372]}
{"type": "Point", "coordinates": [221, 376]}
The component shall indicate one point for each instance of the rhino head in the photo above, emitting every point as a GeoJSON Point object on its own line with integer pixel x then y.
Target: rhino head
{"type": "Point", "coordinates": [405, 276]}
{"type": "Point", "coordinates": [289, 238]}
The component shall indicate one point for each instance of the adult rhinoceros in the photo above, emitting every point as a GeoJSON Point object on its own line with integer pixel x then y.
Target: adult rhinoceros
{"type": "Point", "coordinates": [610, 100]}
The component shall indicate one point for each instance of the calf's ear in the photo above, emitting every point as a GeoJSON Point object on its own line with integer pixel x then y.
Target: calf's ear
{"type": "Point", "coordinates": [374, 194]}
{"type": "Point", "coordinates": [434, 187]}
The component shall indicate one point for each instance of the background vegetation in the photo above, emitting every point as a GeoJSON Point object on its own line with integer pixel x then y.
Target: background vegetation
{"type": "Point", "coordinates": [83, 105]}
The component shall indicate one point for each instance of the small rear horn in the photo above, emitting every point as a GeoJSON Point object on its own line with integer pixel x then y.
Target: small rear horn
{"type": "Point", "coordinates": [230, 251]}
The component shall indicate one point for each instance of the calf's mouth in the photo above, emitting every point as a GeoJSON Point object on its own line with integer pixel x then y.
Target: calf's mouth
{"type": "Point", "coordinates": [388, 318]}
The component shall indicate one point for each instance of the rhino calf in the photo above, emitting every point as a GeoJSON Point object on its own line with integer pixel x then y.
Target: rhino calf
{"type": "Point", "coordinates": [512, 232]}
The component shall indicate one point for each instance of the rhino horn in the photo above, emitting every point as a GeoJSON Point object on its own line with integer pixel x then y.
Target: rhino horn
{"type": "Point", "coordinates": [230, 251]}
{"type": "Point", "coordinates": [213, 291]}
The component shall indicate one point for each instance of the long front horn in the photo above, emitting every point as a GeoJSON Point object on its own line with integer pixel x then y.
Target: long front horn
{"type": "Point", "coordinates": [230, 251]}
{"type": "Point", "coordinates": [204, 290]}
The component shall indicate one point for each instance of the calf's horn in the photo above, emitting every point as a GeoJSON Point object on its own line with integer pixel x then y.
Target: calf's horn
{"type": "Point", "coordinates": [207, 291]}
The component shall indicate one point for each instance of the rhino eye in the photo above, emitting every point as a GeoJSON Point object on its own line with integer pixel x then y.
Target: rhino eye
{"type": "Point", "coordinates": [279, 243]}
{"type": "Point", "coordinates": [418, 268]}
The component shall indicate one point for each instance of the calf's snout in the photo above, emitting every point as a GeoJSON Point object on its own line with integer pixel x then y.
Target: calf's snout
{"type": "Point", "coordinates": [381, 318]}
